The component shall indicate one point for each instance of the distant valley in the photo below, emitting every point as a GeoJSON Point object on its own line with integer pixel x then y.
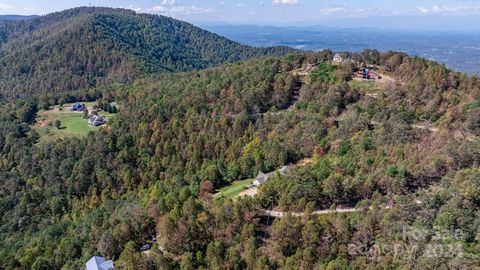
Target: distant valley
{"type": "Point", "coordinates": [459, 51]}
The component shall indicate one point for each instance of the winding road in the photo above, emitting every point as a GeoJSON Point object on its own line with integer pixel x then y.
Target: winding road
{"type": "Point", "coordinates": [280, 214]}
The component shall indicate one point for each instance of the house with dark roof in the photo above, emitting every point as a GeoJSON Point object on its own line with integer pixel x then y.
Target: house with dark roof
{"type": "Point", "coordinates": [77, 107]}
{"type": "Point", "coordinates": [368, 74]}
{"type": "Point", "coordinates": [263, 177]}
{"type": "Point", "coordinates": [99, 263]}
{"type": "Point", "coordinates": [97, 120]}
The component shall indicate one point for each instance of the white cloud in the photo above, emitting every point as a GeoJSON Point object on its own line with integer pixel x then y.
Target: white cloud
{"type": "Point", "coordinates": [284, 2]}
{"type": "Point", "coordinates": [346, 11]}
{"type": "Point", "coordinates": [4, 7]}
{"type": "Point", "coordinates": [171, 8]}
{"type": "Point", "coordinates": [333, 10]}
{"type": "Point", "coordinates": [176, 11]}
{"type": "Point", "coordinates": [423, 10]}
{"type": "Point", "coordinates": [447, 9]}
{"type": "Point", "coordinates": [168, 3]}
{"type": "Point", "coordinates": [134, 8]}
{"type": "Point", "coordinates": [30, 9]}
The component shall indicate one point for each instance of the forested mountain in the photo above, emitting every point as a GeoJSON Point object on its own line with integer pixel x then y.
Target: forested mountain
{"type": "Point", "coordinates": [87, 47]}
{"type": "Point", "coordinates": [179, 137]}
{"type": "Point", "coordinates": [16, 17]}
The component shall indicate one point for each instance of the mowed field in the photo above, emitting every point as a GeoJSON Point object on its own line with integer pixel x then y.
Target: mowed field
{"type": "Point", "coordinates": [72, 123]}
{"type": "Point", "coordinates": [234, 189]}
{"type": "Point", "coordinates": [364, 86]}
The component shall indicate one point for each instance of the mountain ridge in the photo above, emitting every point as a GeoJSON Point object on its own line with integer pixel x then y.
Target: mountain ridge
{"type": "Point", "coordinates": [13, 17]}
{"type": "Point", "coordinates": [87, 47]}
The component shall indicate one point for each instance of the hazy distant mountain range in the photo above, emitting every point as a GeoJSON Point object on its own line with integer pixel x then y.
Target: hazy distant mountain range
{"type": "Point", "coordinates": [458, 50]}
{"type": "Point", "coordinates": [429, 23]}
{"type": "Point", "coordinates": [16, 17]}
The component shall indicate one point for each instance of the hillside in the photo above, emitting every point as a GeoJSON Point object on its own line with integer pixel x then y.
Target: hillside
{"type": "Point", "coordinates": [88, 47]}
{"type": "Point", "coordinates": [405, 152]}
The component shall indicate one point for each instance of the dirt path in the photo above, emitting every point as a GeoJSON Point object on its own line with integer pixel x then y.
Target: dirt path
{"type": "Point", "coordinates": [248, 192]}
{"type": "Point", "coordinates": [426, 127]}
{"type": "Point", "coordinates": [280, 214]}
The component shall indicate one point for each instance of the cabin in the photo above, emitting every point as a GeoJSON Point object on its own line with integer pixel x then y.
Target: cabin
{"type": "Point", "coordinates": [337, 58]}
{"type": "Point", "coordinates": [261, 178]}
{"type": "Point", "coordinates": [99, 263]}
{"type": "Point", "coordinates": [367, 74]}
{"type": "Point", "coordinates": [97, 120]}
{"type": "Point", "coordinates": [77, 107]}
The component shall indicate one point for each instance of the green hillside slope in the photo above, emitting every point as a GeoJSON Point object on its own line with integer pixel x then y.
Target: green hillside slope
{"type": "Point", "coordinates": [87, 47]}
{"type": "Point", "coordinates": [405, 151]}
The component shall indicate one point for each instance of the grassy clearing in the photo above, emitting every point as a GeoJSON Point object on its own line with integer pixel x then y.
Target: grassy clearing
{"type": "Point", "coordinates": [471, 105]}
{"type": "Point", "coordinates": [364, 86]}
{"type": "Point", "coordinates": [72, 123]}
{"type": "Point", "coordinates": [234, 189]}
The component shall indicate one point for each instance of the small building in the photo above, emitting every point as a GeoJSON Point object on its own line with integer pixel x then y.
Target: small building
{"type": "Point", "coordinates": [145, 247]}
{"type": "Point", "coordinates": [97, 120]}
{"type": "Point", "coordinates": [99, 263]}
{"type": "Point", "coordinates": [337, 58]}
{"type": "Point", "coordinates": [368, 74]}
{"type": "Point", "coordinates": [77, 107]}
{"type": "Point", "coordinates": [261, 178]}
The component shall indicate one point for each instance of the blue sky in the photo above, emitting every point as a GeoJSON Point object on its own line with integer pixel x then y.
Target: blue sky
{"type": "Point", "coordinates": [261, 11]}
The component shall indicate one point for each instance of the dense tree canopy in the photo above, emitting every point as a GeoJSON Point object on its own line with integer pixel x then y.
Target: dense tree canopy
{"type": "Point", "coordinates": [87, 47]}
{"type": "Point", "coordinates": [179, 137]}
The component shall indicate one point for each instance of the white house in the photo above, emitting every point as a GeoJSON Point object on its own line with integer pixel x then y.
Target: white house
{"type": "Point", "coordinates": [98, 263]}
{"type": "Point", "coordinates": [97, 120]}
{"type": "Point", "coordinates": [337, 58]}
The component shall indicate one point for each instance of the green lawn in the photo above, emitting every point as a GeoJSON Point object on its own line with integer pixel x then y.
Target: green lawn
{"type": "Point", "coordinates": [234, 189]}
{"type": "Point", "coordinates": [364, 86]}
{"type": "Point", "coordinates": [73, 123]}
